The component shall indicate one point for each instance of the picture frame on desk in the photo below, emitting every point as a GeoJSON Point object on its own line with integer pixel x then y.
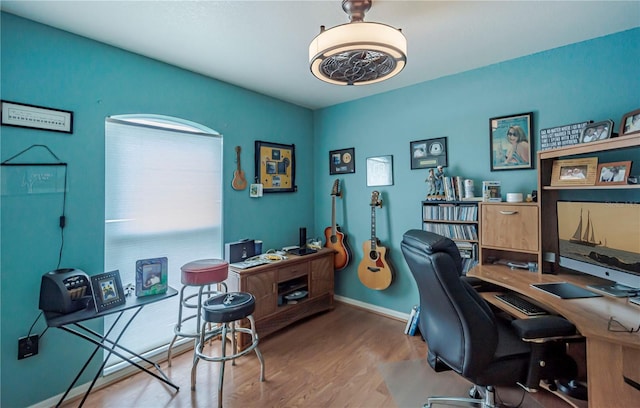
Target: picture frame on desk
{"type": "Point", "coordinates": [107, 291]}
{"type": "Point", "coordinates": [511, 142]}
{"type": "Point", "coordinates": [151, 276]}
{"type": "Point", "coordinates": [574, 172]}
{"type": "Point", "coordinates": [428, 153]}
{"type": "Point", "coordinates": [597, 131]}
{"type": "Point", "coordinates": [630, 123]}
{"type": "Point", "coordinates": [615, 173]}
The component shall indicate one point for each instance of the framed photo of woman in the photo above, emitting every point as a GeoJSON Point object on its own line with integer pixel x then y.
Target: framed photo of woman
{"type": "Point", "coordinates": [511, 142]}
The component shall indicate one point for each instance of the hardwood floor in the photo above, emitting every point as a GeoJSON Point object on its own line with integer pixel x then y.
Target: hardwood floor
{"type": "Point", "coordinates": [330, 360]}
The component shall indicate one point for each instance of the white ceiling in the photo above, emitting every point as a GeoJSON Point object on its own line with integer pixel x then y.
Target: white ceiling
{"type": "Point", "coordinates": [263, 45]}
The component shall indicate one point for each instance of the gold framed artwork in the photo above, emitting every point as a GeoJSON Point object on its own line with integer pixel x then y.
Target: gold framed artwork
{"type": "Point", "coordinates": [615, 173]}
{"type": "Point", "coordinates": [574, 172]}
{"type": "Point", "coordinates": [275, 167]}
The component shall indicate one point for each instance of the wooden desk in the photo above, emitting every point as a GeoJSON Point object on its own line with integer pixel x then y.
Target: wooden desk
{"type": "Point", "coordinates": [613, 358]}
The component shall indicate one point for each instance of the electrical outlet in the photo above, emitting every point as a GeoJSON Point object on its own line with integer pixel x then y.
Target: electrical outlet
{"type": "Point", "coordinates": [27, 346]}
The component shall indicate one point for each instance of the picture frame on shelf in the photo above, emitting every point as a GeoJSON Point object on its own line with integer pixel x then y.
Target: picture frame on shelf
{"type": "Point", "coordinates": [36, 117]}
{"type": "Point", "coordinates": [574, 172]}
{"type": "Point", "coordinates": [615, 173]}
{"type": "Point", "coordinates": [630, 123]}
{"type": "Point", "coordinates": [107, 290]}
{"type": "Point", "coordinates": [275, 166]}
{"type": "Point", "coordinates": [342, 161]}
{"type": "Point", "coordinates": [597, 131]}
{"type": "Point", "coordinates": [511, 142]}
{"type": "Point", "coordinates": [151, 276]}
{"type": "Point", "coordinates": [380, 171]}
{"type": "Point", "coordinates": [428, 153]}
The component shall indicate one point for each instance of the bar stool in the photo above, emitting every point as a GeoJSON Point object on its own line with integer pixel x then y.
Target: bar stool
{"type": "Point", "coordinates": [201, 274]}
{"type": "Point", "coordinates": [227, 309]}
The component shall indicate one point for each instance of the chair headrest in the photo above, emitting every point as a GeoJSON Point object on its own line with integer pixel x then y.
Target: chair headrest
{"type": "Point", "coordinates": [430, 243]}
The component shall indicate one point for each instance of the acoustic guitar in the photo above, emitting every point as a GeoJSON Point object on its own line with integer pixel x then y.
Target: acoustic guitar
{"type": "Point", "coordinates": [374, 271]}
{"type": "Point", "coordinates": [335, 238]}
{"type": "Point", "coordinates": [239, 181]}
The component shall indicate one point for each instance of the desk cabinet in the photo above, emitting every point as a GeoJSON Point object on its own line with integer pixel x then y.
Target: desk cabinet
{"type": "Point", "coordinates": [270, 284]}
{"type": "Point", "coordinates": [509, 231]}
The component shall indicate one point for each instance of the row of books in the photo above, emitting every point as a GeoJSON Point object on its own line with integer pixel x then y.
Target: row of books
{"type": "Point", "coordinates": [453, 231]}
{"type": "Point", "coordinates": [412, 323]}
{"type": "Point", "coordinates": [469, 254]}
{"type": "Point", "coordinates": [450, 212]}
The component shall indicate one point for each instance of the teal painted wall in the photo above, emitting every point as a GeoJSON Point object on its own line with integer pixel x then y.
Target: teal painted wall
{"type": "Point", "coordinates": [593, 80]}
{"type": "Point", "coordinates": [47, 67]}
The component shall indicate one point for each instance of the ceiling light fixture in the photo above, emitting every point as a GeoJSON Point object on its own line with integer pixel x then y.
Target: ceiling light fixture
{"type": "Point", "coordinates": [357, 53]}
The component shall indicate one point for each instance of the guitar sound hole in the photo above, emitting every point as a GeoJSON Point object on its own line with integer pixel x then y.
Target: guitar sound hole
{"type": "Point", "coordinates": [373, 254]}
{"type": "Point", "coordinates": [334, 239]}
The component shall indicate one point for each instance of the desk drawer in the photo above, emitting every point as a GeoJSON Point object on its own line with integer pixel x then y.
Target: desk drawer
{"type": "Point", "coordinates": [509, 226]}
{"type": "Point", "coordinates": [293, 271]}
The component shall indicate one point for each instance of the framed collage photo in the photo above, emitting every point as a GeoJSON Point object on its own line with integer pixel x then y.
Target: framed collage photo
{"type": "Point", "coordinates": [151, 276]}
{"type": "Point", "coordinates": [275, 167]}
{"type": "Point", "coordinates": [107, 291]}
{"type": "Point", "coordinates": [428, 153]}
{"type": "Point", "coordinates": [342, 161]}
{"type": "Point", "coordinates": [511, 142]}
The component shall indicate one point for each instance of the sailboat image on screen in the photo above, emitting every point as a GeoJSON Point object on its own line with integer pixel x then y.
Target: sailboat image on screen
{"type": "Point", "coordinates": [585, 236]}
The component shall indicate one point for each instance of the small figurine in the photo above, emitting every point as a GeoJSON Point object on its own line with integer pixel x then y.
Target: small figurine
{"type": "Point", "coordinates": [431, 184]}
{"type": "Point", "coordinates": [439, 181]}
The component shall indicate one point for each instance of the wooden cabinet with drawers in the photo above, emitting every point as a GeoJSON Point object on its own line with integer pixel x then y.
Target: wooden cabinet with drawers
{"type": "Point", "coordinates": [272, 283]}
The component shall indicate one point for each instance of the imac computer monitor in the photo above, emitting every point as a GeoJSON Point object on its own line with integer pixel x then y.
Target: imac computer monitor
{"type": "Point", "coordinates": [601, 239]}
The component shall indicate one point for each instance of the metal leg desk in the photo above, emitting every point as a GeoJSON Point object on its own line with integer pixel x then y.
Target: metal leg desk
{"type": "Point", "coordinates": [72, 323]}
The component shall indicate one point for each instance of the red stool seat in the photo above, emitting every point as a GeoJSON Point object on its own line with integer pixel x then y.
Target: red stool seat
{"type": "Point", "coordinates": [204, 272]}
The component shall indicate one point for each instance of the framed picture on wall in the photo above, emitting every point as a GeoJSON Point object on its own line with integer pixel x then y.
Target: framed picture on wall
{"type": "Point", "coordinates": [275, 167]}
{"type": "Point", "coordinates": [511, 142]}
{"type": "Point", "coordinates": [428, 153]}
{"type": "Point", "coordinates": [380, 171]}
{"type": "Point", "coordinates": [342, 161]}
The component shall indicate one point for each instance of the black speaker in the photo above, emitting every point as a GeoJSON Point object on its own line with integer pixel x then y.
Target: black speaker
{"type": "Point", "coordinates": [303, 237]}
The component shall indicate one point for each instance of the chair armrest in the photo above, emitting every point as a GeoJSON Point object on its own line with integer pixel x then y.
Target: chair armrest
{"type": "Point", "coordinates": [544, 328]}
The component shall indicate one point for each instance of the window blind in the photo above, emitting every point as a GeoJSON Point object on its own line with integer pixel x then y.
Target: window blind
{"type": "Point", "coordinates": [163, 198]}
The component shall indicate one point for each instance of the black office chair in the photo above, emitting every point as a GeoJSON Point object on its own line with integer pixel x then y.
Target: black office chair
{"type": "Point", "coordinates": [462, 333]}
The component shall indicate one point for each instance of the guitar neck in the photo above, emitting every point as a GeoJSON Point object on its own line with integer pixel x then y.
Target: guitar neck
{"type": "Point", "coordinates": [373, 228]}
{"type": "Point", "coordinates": [333, 215]}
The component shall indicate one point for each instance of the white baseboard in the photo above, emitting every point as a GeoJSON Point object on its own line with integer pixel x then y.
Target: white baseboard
{"type": "Point", "coordinates": [373, 308]}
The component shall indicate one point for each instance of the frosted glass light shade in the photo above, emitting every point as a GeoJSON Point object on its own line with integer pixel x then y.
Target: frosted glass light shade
{"type": "Point", "coordinates": [358, 53]}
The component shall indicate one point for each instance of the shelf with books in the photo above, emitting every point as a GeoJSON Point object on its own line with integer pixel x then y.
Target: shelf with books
{"type": "Point", "coordinates": [457, 220]}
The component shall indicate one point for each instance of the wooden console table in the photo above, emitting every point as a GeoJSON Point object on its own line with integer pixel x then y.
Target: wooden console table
{"type": "Point", "coordinates": [271, 283]}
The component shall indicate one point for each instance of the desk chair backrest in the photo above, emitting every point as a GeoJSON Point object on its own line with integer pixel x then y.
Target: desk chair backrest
{"type": "Point", "coordinates": [457, 324]}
